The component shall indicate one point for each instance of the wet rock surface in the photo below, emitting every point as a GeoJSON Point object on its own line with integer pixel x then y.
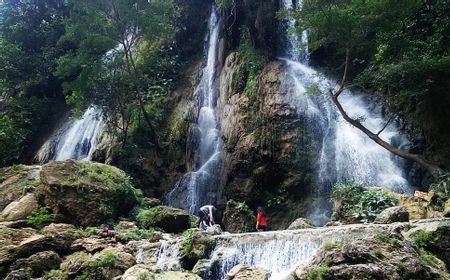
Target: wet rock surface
{"type": "Point", "coordinates": [301, 223]}
{"type": "Point", "coordinates": [392, 215]}
{"type": "Point", "coordinates": [242, 272]}
{"type": "Point", "coordinates": [386, 256]}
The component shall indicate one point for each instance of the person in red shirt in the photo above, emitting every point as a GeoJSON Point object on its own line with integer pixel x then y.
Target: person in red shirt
{"type": "Point", "coordinates": [261, 219]}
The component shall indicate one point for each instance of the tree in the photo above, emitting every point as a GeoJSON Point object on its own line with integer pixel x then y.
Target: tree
{"type": "Point", "coordinates": [29, 93]}
{"type": "Point", "coordinates": [109, 65]}
{"type": "Point", "coordinates": [357, 30]}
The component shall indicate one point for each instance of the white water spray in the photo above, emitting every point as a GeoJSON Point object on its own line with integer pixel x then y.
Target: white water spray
{"type": "Point", "coordinates": [346, 154]}
{"type": "Point", "coordinates": [74, 140]}
{"type": "Point", "coordinates": [200, 187]}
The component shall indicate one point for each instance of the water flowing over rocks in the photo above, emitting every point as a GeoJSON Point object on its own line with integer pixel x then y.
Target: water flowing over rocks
{"type": "Point", "coordinates": [76, 139]}
{"type": "Point", "coordinates": [199, 186]}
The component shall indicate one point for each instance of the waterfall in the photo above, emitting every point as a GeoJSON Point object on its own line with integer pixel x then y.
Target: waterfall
{"type": "Point", "coordinates": [76, 139]}
{"type": "Point", "coordinates": [345, 154]}
{"type": "Point", "coordinates": [281, 252]}
{"type": "Point", "coordinates": [168, 255]}
{"type": "Point", "coordinates": [200, 186]}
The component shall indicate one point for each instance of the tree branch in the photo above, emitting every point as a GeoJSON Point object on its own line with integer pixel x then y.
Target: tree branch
{"type": "Point", "coordinates": [432, 168]}
{"type": "Point", "coordinates": [384, 127]}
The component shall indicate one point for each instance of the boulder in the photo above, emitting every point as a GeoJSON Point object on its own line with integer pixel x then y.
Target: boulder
{"type": "Point", "coordinates": [385, 256]}
{"type": "Point", "coordinates": [20, 209]}
{"type": "Point", "coordinates": [22, 243]}
{"type": "Point", "coordinates": [447, 208]}
{"type": "Point", "coordinates": [137, 272]}
{"type": "Point", "coordinates": [301, 223]}
{"type": "Point", "coordinates": [214, 230]}
{"type": "Point", "coordinates": [417, 208]}
{"type": "Point", "coordinates": [392, 215]}
{"type": "Point", "coordinates": [90, 244]}
{"type": "Point", "coordinates": [176, 275]}
{"type": "Point", "coordinates": [85, 193]}
{"type": "Point", "coordinates": [203, 269]}
{"type": "Point", "coordinates": [39, 262]}
{"type": "Point", "coordinates": [244, 272]}
{"type": "Point", "coordinates": [20, 274]}
{"type": "Point", "coordinates": [433, 236]}
{"type": "Point", "coordinates": [169, 219]}
{"type": "Point", "coordinates": [16, 181]}
{"type": "Point", "coordinates": [238, 217]}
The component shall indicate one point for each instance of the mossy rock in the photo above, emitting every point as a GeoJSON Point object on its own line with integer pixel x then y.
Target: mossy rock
{"type": "Point", "coordinates": [166, 218]}
{"type": "Point", "coordinates": [86, 193]}
{"type": "Point", "coordinates": [16, 181]}
{"type": "Point", "coordinates": [238, 217]}
{"type": "Point", "coordinates": [195, 246]}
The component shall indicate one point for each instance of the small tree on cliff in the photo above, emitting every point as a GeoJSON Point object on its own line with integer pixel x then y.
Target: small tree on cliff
{"type": "Point", "coordinates": [114, 39]}
{"type": "Point", "coordinates": [357, 30]}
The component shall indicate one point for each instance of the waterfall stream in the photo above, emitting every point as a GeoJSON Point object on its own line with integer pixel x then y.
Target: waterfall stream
{"type": "Point", "coordinates": [76, 139]}
{"type": "Point", "coordinates": [345, 154]}
{"type": "Point", "coordinates": [200, 186]}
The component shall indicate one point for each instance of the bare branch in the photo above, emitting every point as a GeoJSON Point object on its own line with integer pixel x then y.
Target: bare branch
{"type": "Point", "coordinates": [384, 127]}
{"type": "Point", "coordinates": [432, 168]}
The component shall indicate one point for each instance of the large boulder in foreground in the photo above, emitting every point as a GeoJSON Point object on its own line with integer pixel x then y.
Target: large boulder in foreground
{"type": "Point", "coordinates": [16, 181]}
{"type": "Point", "coordinates": [392, 215]}
{"type": "Point", "coordinates": [20, 209]}
{"type": "Point", "coordinates": [86, 193]}
{"type": "Point", "coordinates": [386, 256]}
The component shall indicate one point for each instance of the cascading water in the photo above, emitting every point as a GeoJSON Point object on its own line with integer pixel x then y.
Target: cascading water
{"type": "Point", "coordinates": [346, 154]}
{"type": "Point", "coordinates": [74, 140]}
{"type": "Point", "coordinates": [200, 186]}
{"type": "Point", "coordinates": [281, 252]}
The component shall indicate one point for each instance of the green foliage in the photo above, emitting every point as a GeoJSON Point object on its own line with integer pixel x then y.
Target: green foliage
{"type": "Point", "coordinates": [361, 203]}
{"type": "Point", "coordinates": [103, 259]}
{"type": "Point", "coordinates": [194, 244]}
{"type": "Point", "coordinates": [398, 48]}
{"type": "Point", "coordinates": [422, 238]}
{"type": "Point", "coordinates": [327, 246]}
{"type": "Point", "coordinates": [128, 79]}
{"type": "Point", "coordinates": [386, 238]}
{"type": "Point", "coordinates": [188, 240]}
{"type": "Point", "coordinates": [318, 273]}
{"type": "Point", "coordinates": [243, 207]}
{"type": "Point", "coordinates": [347, 193]}
{"type": "Point", "coordinates": [371, 203]}
{"type": "Point", "coordinates": [253, 61]}
{"type": "Point", "coordinates": [56, 274]}
{"type": "Point", "coordinates": [30, 96]}
{"type": "Point", "coordinates": [40, 217]}
{"type": "Point", "coordinates": [126, 235]}
{"type": "Point", "coordinates": [442, 185]}
{"type": "Point", "coordinates": [124, 196]}
{"type": "Point", "coordinates": [147, 217]}
{"type": "Point", "coordinates": [427, 259]}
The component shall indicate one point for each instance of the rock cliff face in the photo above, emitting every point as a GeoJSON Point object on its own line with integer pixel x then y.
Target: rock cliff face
{"type": "Point", "coordinates": [264, 154]}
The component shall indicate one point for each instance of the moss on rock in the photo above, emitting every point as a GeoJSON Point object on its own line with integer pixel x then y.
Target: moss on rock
{"type": "Point", "coordinates": [86, 193]}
